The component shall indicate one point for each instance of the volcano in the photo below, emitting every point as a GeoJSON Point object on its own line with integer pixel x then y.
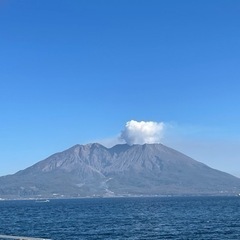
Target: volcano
{"type": "Point", "coordinates": [93, 170]}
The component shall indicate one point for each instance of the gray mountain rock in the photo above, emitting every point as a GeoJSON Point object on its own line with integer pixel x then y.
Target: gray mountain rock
{"type": "Point", "coordinates": [140, 170]}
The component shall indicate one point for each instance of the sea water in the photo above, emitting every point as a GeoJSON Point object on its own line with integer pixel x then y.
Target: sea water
{"type": "Point", "coordinates": [124, 218]}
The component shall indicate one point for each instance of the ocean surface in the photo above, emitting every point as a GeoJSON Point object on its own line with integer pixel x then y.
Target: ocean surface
{"type": "Point", "coordinates": [124, 218]}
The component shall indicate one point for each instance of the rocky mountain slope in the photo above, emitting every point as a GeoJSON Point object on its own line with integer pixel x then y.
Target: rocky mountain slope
{"type": "Point", "coordinates": [94, 170]}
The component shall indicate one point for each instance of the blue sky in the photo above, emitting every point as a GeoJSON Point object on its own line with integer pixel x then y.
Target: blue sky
{"type": "Point", "coordinates": [76, 71]}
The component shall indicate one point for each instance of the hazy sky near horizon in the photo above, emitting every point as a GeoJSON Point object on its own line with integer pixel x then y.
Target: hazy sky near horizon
{"type": "Point", "coordinates": [76, 71]}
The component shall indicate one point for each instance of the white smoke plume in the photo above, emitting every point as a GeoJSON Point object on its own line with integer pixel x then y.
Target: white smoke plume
{"type": "Point", "coordinates": [142, 132]}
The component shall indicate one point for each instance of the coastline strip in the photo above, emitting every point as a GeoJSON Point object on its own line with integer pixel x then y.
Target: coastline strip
{"type": "Point", "coordinates": [21, 238]}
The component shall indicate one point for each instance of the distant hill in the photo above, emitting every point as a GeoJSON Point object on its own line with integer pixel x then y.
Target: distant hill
{"type": "Point", "coordinates": [93, 170]}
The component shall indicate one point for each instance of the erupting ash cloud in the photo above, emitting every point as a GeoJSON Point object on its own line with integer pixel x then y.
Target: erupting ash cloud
{"type": "Point", "coordinates": [142, 132]}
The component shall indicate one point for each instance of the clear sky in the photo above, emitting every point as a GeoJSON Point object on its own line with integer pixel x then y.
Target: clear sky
{"type": "Point", "coordinates": [76, 71]}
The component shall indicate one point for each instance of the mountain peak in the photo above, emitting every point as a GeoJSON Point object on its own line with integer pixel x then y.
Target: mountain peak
{"type": "Point", "coordinates": [88, 145]}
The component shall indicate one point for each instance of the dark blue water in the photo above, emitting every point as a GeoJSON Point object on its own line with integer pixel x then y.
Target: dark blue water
{"type": "Point", "coordinates": [124, 218]}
